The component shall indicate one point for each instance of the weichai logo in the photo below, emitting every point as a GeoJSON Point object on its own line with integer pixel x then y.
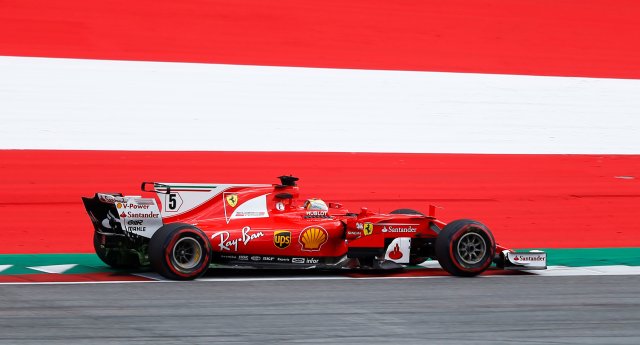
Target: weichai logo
{"type": "Point", "coordinates": [282, 238]}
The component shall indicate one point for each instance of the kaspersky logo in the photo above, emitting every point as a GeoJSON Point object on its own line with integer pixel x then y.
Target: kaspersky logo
{"type": "Point", "coordinates": [282, 238]}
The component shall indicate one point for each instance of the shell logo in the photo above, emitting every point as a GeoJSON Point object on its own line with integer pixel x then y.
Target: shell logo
{"type": "Point", "coordinates": [312, 238]}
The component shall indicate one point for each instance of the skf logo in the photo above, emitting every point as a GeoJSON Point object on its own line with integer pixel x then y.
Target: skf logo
{"type": "Point", "coordinates": [367, 229]}
{"type": "Point", "coordinates": [232, 199]}
{"type": "Point", "coordinates": [312, 238]}
{"type": "Point", "coordinates": [282, 238]}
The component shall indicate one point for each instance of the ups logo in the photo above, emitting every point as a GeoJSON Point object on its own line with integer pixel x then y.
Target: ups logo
{"type": "Point", "coordinates": [367, 229]}
{"type": "Point", "coordinates": [282, 238]}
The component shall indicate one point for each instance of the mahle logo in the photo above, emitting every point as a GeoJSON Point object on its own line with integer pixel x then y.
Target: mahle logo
{"type": "Point", "coordinates": [282, 238]}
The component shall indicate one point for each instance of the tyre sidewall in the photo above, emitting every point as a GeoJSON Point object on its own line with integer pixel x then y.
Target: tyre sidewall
{"type": "Point", "coordinates": [489, 250]}
{"type": "Point", "coordinates": [161, 251]}
{"type": "Point", "coordinates": [447, 243]}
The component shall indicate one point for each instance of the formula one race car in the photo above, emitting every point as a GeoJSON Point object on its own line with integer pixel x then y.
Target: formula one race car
{"type": "Point", "coordinates": [185, 227]}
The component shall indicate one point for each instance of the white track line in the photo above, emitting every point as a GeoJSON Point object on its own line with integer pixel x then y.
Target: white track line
{"type": "Point", "coordinates": [552, 271]}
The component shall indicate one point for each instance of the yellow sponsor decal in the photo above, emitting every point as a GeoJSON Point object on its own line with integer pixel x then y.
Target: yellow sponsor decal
{"type": "Point", "coordinates": [119, 205]}
{"type": "Point", "coordinates": [232, 199]}
{"type": "Point", "coordinates": [313, 237]}
{"type": "Point", "coordinates": [282, 238]}
{"type": "Point", "coordinates": [367, 229]}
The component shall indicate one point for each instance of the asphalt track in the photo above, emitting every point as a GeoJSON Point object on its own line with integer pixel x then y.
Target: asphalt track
{"type": "Point", "coordinates": [442, 310]}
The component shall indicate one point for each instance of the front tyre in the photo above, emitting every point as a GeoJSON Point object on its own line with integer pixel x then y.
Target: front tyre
{"type": "Point", "coordinates": [179, 251]}
{"type": "Point", "coordinates": [465, 248]}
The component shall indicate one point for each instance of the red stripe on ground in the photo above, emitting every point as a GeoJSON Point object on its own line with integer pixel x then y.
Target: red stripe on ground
{"type": "Point", "coordinates": [539, 37]}
{"type": "Point", "coordinates": [66, 278]}
{"type": "Point", "coordinates": [551, 201]}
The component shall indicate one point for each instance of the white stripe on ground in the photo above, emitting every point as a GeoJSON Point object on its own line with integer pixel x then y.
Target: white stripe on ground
{"type": "Point", "coordinates": [57, 269]}
{"type": "Point", "coordinates": [590, 271]}
{"type": "Point", "coordinates": [94, 104]}
{"type": "Point", "coordinates": [552, 271]}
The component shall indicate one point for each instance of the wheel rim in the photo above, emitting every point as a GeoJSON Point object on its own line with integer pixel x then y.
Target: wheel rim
{"type": "Point", "coordinates": [186, 254]}
{"type": "Point", "coordinates": [472, 248]}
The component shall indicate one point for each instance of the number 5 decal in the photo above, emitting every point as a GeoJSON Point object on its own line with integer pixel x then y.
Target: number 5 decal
{"type": "Point", "coordinates": [172, 202]}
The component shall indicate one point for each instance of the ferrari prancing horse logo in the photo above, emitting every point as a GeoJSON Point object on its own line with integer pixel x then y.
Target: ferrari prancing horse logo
{"type": "Point", "coordinates": [367, 229]}
{"type": "Point", "coordinates": [232, 199]}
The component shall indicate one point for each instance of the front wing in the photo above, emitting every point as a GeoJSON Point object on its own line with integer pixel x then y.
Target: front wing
{"type": "Point", "coordinates": [523, 260]}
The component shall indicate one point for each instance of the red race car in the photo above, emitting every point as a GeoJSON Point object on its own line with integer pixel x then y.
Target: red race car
{"type": "Point", "coordinates": [185, 227]}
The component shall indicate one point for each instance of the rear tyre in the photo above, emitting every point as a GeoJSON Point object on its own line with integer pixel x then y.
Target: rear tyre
{"type": "Point", "coordinates": [465, 248]}
{"type": "Point", "coordinates": [406, 211]}
{"type": "Point", "coordinates": [113, 257]}
{"type": "Point", "coordinates": [179, 251]}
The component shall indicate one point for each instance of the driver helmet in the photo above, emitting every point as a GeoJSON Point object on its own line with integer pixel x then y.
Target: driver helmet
{"type": "Point", "coordinates": [315, 205]}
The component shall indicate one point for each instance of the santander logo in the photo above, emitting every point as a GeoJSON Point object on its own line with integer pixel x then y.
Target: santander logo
{"type": "Point", "coordinates": [402, 228]}
{"type": "Point", "coordinates": [396, 254]}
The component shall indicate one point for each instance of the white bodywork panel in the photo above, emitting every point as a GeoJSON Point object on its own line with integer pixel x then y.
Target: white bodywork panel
{"type": "Point", "coordinates": [526, 260]}
{"type": "Point", "coordinates": [253, 208]}
{"type": "Point", "coordinates": [399, 250]}
{"type": "Point", "coordinates": [137, 216]}
{"type": "Point", "coordinates": [183, 197]}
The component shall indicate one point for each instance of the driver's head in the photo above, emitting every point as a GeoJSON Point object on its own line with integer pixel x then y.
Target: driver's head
{"type": "Point", "coordinates": [315, 205]}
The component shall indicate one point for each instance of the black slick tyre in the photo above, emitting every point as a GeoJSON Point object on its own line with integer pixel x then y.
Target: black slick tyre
{"type": "Point", "coordinates": [406, 211]}
{"type": "Point", "coordinates": [179, 251]}
{"type": "Point", "coordinates": [114, 258]}
{"type": "Point", "coordinates": [465, 248]}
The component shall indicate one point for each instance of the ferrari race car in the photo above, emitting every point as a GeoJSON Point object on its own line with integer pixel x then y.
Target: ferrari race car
{"type": "Point", "coordinates": [183, 228]}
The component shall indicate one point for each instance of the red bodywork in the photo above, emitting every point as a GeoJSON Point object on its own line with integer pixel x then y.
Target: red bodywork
{"type": "Point", "coordinates": [291, 231]}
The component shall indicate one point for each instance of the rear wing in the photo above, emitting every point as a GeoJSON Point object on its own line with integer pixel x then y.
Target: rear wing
{"type": "Point", "coordinates": [155, 187]}
{"type": "Point", "coordinates": [113, 214]}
